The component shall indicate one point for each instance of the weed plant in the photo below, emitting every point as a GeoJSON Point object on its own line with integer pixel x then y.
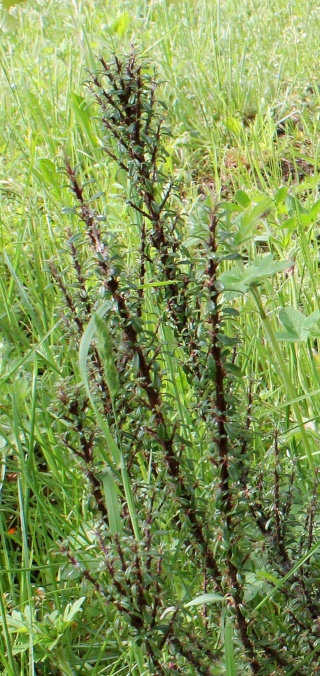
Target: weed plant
{"type": "Point", "coordinates": [191, 543]}
{"type": "Point", "coordinates": [159, 359]}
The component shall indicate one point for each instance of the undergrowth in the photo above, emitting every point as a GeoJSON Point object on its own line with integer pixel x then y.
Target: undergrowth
{"type": "Point", "coordinates": [160, 379]}
{"type": "Point", "coordinates": [188, 537]}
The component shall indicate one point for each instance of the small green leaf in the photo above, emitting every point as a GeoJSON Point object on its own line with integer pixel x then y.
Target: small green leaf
{"type": "Point", "coordinates": [257, 212]}
{"type": "Point", "coordinates": [204, 599]}
{"type": "Point", "coordinates": [249, 219]}
{"type": "Point", "coordinates": [242, 198]}
{"type": "Point", "coordinates": [281, 195]}
{"type": "Point", "coordinates": [312, 320]}
{"type": "Point", "coordinates": [233, 125]}
{"type": "Point", "coordinates": [69, 210]}
{"type": "Point", "coordinates": [298, 327]}
{"type": "Point", "coordinates": [232, 280]}
{"type": "Point", "coordinates": [80, 108]}
{"type": "Point", "coordinates": [314, 211]}
{"type": "Point", "coordinates": [267, 576]}
{"type": "Point", "coordinates": [293, 321]}
{"type": "Point", "coordinates": [120, 24]}
{"type": "Point", "coordinates": [47, 176]}
{"type": "Point", "coordinates": [72, 610]}
{"type": "Point", "coordinates": [294, 206]}
{"type": "Point", "coordinates": [289, 223]}
{"type": "Point", "coordinates": [265, 267]}
{"type": "Point", "coordinates": [241, 279]}
{"type": "Point", "coordinates": [288, 337]}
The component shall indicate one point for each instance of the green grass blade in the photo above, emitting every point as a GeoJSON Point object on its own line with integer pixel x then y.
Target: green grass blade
{"type": "Point", "coordinates": [229, 649]}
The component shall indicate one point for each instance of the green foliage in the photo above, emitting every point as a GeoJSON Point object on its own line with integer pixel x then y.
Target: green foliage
{"type": "Point", "coordinates": [195, 520]}
{"type": "Point", "coordinates": [47, 633]}
{"type": "Point", "coordinates": [242, 278]}
{"type": "Point", "coordinates": [101, 497]}
{"type": "Point", "coordinates": [298, 327]}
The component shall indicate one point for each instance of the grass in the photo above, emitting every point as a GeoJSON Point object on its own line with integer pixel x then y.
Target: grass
{"type": "Point", "coordinates": [241, 84]}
